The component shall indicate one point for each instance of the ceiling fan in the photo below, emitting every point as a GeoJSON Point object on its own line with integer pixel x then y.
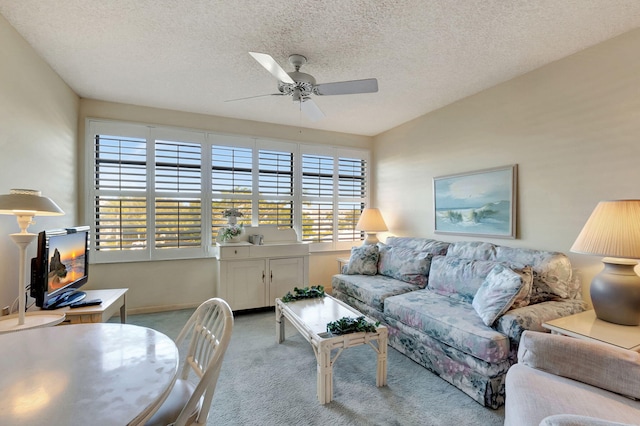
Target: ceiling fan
{"type": "Point", "coordinates": [300, 86]}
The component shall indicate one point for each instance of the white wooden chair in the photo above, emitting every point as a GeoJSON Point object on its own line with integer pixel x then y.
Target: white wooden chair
{"type": "Point", "coordinates": [210, 329]}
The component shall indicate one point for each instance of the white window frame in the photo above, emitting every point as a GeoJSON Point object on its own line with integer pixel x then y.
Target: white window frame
{"type": "Point", "coordinates": [207, 140]}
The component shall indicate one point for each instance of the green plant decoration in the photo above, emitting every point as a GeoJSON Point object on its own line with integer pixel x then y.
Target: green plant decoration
{"type": "Point", "coordinates": [347, 325]}
{"type": "Point", "coordinates": [229, 232]}
{"type": "Point", "coordinates": [304, 293]}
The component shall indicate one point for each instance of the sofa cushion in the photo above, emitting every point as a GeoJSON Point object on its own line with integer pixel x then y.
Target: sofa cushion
{"type": "Point", "coordinates": [449, 321]}
{"type": "Point", "coordinates": [458, 278]}
{"type": "Point", "coordinates": [370, 289]}
{"type": "Point", "coordinates": [497, 294]}
{"type": "Point", "coordinates": [437, 248]}
{"type": "Point", "coordinates": [363, 260]}
{"type": "Point", "coordinates": [477, 250]}
{"type": "Point", "coordinates": [552, 274]}
{"type": "Point", "coordinates": [515, 321]}
{"type": "Point", "coordinates": [404, 264]}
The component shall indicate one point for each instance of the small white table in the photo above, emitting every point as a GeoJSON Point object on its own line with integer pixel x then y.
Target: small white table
{"type": "Point", "coordinates": [114, 301]}
{"type": "Point", "coordinates": [341, 262]}
{"type": "Point", "coordinates": [85, 374]}
{"type": "Point", "coordinates": [586, 326]}
{"type": "Point", "coordinates": [310, 317]}
{"type": "Point", "coordinates": [9, 323]}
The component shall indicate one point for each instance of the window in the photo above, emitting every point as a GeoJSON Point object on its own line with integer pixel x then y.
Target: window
{"type": "Point", "coordinates": [334, 192]}
{"type": "Point", "coordinates": [275, 186]}
{"type": "Point", "coordinates": [178, 185]}
{"type": "Point", "coordinates": [159, 193]}
{"type": "Point", "coordinates": [231, 183]}
{"type": "Point", "coordinates": [352, 195]}
{"type": "Point", "coordinates": [120, 197]}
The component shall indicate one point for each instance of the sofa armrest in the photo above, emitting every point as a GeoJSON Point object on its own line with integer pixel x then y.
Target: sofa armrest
{"type": "Point", "coordinates": [514, 322]}
{"type": "Point", "coordinates": [575, 420]}
{"type": "Point", "coordinates": [596, 364]}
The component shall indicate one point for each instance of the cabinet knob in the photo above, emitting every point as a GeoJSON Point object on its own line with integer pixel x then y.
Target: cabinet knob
{"type": "Point", "coordinates": [235, 251]}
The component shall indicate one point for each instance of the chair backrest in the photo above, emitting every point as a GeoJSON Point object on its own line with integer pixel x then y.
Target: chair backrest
{"type": "Point", "coordinates": [209, 330]}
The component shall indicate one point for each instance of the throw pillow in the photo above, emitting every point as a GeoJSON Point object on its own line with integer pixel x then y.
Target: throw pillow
{"type": "Point", "coordinates": [405, 264]}
{"type": "Point", "coordinates": [363, 260]}
{"type": "Point", "coordinates": [497, 293]}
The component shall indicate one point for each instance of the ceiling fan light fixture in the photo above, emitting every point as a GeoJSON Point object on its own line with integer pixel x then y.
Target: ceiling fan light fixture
{"type": "Point", "coordinates": [300, 86]}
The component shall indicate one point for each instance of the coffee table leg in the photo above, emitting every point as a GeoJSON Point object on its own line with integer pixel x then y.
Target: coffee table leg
{"type": "Point", "coordinates": [381, 375]}
{"type": "Point", "coordinates": [279, 323]}
{"type": "Point", "coordinates": [325, 374]}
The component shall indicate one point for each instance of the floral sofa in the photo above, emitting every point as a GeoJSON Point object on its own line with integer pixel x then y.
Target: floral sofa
{"type": "Point", "coordinates": [459, 309]}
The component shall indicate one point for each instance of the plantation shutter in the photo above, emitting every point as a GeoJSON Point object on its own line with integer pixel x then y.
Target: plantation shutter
{"type": "Point", "coordinates": [352, 195]}
{"type": "Point", "coordinates": [178, 188]}
{"type": "Point", "coordinates": [120, 183]}
{"type": "Point", "coordinates": [231, 184]}
{"type": "Point", "coordinates": [317, 195]}
{"type": "Point", "coordinates": [275, 188]}
{"type": "Point", "coordinates": [160, 193]}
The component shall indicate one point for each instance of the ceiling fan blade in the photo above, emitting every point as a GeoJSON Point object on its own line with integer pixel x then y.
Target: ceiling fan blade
{"type": "Point", "coordinates": [272, 66]}
{"type": "Point", "coordinates": [257, 96]}
{"type": "Point", "coordinates": [311, 110]}
{"type": "Point", "coordinates": [369, 85]}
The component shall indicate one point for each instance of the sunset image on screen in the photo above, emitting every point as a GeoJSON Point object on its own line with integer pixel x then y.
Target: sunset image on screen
{"type": "Point", "coordinates": [66, 259]}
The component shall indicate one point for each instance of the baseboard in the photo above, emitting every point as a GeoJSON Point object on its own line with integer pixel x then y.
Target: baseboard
{"type": "Point", "coordinates": [163, 308]}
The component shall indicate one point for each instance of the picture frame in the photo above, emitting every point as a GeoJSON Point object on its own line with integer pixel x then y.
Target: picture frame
{"type": "Point", "coordinates": [478, 203]}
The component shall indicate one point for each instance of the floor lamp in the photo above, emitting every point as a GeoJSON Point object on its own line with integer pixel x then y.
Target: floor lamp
{"type": "Point", "coordinates": [613, 230]}
{"type": "Point", "coordinates": [25, 204]}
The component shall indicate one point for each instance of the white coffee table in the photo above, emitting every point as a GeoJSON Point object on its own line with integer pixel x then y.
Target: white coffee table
{"type": "Point", "coordinates": [310, 318]}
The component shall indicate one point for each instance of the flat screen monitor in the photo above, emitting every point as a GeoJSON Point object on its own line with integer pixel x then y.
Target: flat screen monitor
{"type": "Point", "coordinates": [61, 267]}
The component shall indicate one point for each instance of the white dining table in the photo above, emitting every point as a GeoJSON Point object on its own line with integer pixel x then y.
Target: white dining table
{"type": "Point", "coordinates": [85, 374]}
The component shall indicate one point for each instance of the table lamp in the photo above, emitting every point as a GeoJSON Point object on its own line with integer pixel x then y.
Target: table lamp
{"type": "Point", "coordinates": [613, 230]}
{"type": "Point", "coordinates": [25, 204]}
{"type": "Point", "coordinates": [371, 222]}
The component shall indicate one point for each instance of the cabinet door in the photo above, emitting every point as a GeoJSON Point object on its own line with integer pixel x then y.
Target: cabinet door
{"type": "Point", "coordinates": [284, 275]}
{"type": "Point", "coordinates": [246, 284]}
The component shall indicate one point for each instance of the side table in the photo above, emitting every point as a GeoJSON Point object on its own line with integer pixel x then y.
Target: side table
{"type": "Point", "coordinates": [341, 262]}
{"type": "Point", "coordinates": [586, 326]}
{"type": "Point", "coordinates": [113, 301]}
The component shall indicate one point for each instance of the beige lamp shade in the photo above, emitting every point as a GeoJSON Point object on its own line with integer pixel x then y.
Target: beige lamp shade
{"type": "Point", "coordinates": [612, 230]}
{"type": "Point", "coordinates": [28, 201]}
{"type": "Point", "coordinates": [371, 221]}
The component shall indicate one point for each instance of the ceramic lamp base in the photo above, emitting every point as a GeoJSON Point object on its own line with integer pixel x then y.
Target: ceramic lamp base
{"type": "Point", "coordinates": [615, 292]}
{"type": "Point", "coordinates": [371, 239]}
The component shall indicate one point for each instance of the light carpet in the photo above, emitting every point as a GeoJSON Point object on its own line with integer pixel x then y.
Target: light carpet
{"type": "Point", "coordinates": [266, 383]}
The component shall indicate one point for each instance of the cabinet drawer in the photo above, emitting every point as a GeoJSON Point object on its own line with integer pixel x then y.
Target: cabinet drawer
{"type": "Point", "coordinates": [227, 253]}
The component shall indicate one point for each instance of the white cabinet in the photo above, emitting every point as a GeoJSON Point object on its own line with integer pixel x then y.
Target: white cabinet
{"type": "Point", "coordinates": [284, 275]}
{"type": "Point", "coordinates": [251, 276]}
{"type": "Point", "coordinates": [244, 283]}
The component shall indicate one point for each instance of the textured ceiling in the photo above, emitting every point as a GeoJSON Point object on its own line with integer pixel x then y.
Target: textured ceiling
{"type": "Point", "coordinates": [191, 55]}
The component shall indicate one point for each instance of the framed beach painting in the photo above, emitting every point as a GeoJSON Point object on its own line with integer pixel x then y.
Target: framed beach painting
{"type": "Point", "coordinates": [480, 203]}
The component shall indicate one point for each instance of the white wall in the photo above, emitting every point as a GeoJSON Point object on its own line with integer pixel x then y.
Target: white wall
{"type": "Point", "coordinates": [573, 128]}
{"type": "Point", "coordinates": [182, 283]}
{"type": "Point", "coordinates": [38, 132]}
